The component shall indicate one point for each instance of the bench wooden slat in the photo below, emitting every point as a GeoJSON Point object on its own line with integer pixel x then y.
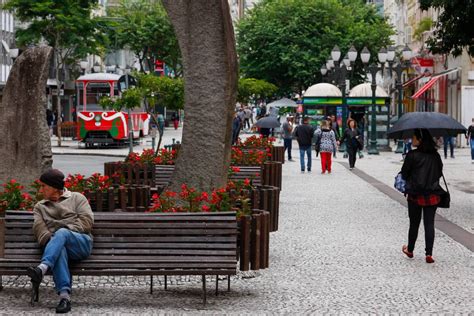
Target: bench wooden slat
{"type": "Point", "coordinates": [135, 272]}
{"type": "Point", "coordinates": [124, 239]}
{"type": "Point", "coordinates": [139, 245]}
{"type": "Point", "coordinates": [146, 232]}
{"type": "Point", "coordinates": [125, 258]}
{"type": "Point", "coordinates": [154, 225]}
{"type": "Point", "coordinates": [185, 252]}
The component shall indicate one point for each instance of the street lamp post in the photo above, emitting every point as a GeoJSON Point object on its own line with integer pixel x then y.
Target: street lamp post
{"type": "Point", "coordinates": [339, 74]}
{"type": "Point", "coordinates": [373, 124]}
{"type": "Point", "coordinates": [399, 68]}
{"type": "Point", "coordinates": [374, 69]}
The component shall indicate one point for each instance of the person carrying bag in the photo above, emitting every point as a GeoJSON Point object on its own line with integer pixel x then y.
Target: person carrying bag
{"type": "Point", "coordinates": [422, 170]}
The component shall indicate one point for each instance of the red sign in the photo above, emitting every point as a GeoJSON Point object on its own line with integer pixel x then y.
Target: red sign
{"type": "Point", "coordinates": [422, 65]}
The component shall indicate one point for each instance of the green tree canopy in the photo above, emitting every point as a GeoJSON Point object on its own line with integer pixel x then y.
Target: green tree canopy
{"type": "Point", "coordinates": [253, 89]}
{"type": "Point", "coordinates": [286, 42]}
{"type": "Point", "coordinates": [454, 30]}
{"type": "Point", "coordinates": [162, 91]}
{"type": "Point", "coordinates": [144, 27]}
{"type": "Point", "coordinates": [67, 26]}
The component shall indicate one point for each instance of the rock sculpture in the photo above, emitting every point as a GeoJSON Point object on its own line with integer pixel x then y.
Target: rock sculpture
{"type": "Point", "coordinates": [206, 39]}
{"type": "Point", "coordinates": [25, 145]}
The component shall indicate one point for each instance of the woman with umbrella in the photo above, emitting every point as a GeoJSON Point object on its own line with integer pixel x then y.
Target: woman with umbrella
{"type": "Point", "coordinates": [422, 170]}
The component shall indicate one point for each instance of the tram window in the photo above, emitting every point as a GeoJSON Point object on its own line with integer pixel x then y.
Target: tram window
{"type": "Point", "coordinates": [94, 92]}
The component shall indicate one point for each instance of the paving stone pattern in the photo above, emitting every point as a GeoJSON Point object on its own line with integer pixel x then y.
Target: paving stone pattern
{"type": "Point", "coordinates": [338, 251]}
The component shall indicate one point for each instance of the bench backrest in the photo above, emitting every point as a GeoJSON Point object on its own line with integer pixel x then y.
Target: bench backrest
{"type": "Point", "coordinates": [140, 236]}
{"type": "Point", "coordinates": [163, 174]}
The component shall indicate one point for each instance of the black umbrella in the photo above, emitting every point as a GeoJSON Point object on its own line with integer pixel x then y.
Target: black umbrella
{"type": "Point", "coordinates": [438, 124]}
{"type": "Point", "coordinates": [268, 122]}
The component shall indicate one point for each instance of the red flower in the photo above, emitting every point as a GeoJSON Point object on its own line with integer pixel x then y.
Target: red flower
{"type": "Point", "coordinates": [235, 169]}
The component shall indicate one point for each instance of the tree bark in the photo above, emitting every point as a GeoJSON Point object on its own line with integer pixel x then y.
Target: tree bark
{"type": "Point", "coordinates": [206, 38]}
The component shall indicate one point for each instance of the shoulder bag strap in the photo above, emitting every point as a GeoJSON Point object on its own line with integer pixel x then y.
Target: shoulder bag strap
{"type": "Point", "coordinates": [447, 189]}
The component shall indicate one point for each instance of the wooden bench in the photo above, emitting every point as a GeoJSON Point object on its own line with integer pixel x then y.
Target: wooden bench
{"type": "Point", "coordinates": [136, 244]}
{"type": "Point", "coordinates": [163, 174]}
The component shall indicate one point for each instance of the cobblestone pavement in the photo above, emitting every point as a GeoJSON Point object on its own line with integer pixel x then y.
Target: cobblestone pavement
{"type": "Point", "coordinates": [338, 251]}
{"type": "Point", "coordinates": [459, 173]}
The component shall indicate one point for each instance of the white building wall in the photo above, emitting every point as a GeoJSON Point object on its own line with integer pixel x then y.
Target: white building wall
{"type": "Point", "coordinates": [7, 41]}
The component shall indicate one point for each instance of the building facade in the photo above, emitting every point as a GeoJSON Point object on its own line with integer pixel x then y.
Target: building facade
{"type": "Point", "coordinates": [7, 42]}
{"type": "Point", "coordinates": [239, 7]}
{"type": "Point", "coordinates": [453, 91]}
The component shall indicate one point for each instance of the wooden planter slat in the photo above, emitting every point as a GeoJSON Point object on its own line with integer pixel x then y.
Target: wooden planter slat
{"type": "Point", "coordinates": [255, 242]}
{"type": "Point", "coordinates": [245, 223]}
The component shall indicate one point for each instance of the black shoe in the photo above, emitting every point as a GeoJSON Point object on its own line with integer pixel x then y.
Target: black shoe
{"type": "Point", "coordinates": [35, 274]}
{"type": "Point", "coordinates": [64, 306]}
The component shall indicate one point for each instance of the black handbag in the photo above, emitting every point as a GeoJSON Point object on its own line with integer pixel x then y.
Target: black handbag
{"type": "Point", "coordinates": [445, 196]}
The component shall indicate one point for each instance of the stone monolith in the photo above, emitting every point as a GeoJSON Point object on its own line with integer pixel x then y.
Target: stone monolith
{"type": "Point", "coordinates": [206, 39]}
{"type": "Point", "coordinates": [25, 145]}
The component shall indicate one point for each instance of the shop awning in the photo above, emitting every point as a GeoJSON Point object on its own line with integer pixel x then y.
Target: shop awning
{"type": "Point", "coordinates": [423, 89]}
{"type": "Point", "coordinates": [412, 80]}
{"type": "Point", "coordinates": [431, 82]}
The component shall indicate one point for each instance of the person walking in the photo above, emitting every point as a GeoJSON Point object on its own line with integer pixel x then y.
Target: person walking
{"type": "Point", "coordinates": [287, 129]}
{"type": "Point", "coordinates": [470, 139]}
{"type": "Point", "coordinates": [353, 141]}
{"type": "Point", "coordinates": [304, 136]}
{"type": "Point", "coordinates": [327, 145]}
{"type": "Point", "coordinates": [175, 119]}
{"type": "Point", "coordinates": [335, 127]}
{"type": "Point", "coordinates": [448, 140]}
{"type": "Point", "coordinates": [406, 147]}
{"type": "Point", "coordinates": [62, 226]}
{"type": "Point", "coordinates": [422, 170]}
{"type": "Point", "coordinates": [236, 126]}
{"type": "Point", "coordinates": [247, 117]}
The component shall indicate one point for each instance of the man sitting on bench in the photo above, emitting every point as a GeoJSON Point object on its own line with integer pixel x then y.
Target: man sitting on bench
{"type": "Point", "coordinates": [62, 226]}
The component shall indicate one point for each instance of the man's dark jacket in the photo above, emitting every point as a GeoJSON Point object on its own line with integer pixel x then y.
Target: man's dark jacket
{"type": "Point", "coordinates": [304, 135]}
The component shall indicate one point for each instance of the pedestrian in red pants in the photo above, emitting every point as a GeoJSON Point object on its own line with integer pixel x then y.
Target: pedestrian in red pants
{"type": "Point", "coordinates": [326, 161]}
{"type": "Point", "coordinates": [326, 145]}
{"type": "Point", "coordinates": [175, 119]}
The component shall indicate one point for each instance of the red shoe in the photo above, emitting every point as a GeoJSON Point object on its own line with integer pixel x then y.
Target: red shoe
{"type": "Point", "coordinates": [429, 259]}
{"type": "Point", "coordinates": [407, 253]}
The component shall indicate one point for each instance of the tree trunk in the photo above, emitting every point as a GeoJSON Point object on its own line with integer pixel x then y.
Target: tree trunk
{"type": "Point", "coordinates": [206, 38]}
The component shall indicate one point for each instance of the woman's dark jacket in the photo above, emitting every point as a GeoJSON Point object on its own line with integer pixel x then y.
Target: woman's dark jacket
{"type": "Point", "coordinates": [349, 136]}
{"type": "Point", "coordinates": [422, 171]}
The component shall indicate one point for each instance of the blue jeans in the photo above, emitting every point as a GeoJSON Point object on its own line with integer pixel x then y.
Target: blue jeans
{"type": "Point", "coordinates": [471, 141]}
{"type": "Point", "coordinates": [307, 150]}
{"type": "Point", "coordinates": [287, 143]}
{"type": "Point", "coordinates": [65, 245]}
{"type": "Point", "coordinates": [448, 140]}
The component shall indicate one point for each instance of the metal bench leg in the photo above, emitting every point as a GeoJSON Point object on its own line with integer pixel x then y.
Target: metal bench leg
{"type": "Point", "coordinates": [204, 289]}
{"type": "Point", "coordinates": [228, 283]}
{"type": "Point", "coordinates": [217, 285]}
{"type": "Point", "coordinates": [166, 282]}
{"type": "Point", "coordinates": [151, 284]}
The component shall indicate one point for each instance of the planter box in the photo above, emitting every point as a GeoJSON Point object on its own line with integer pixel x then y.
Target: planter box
{"type": "Point", "coordinates": [254, 241]}
{"type": "Point", "coordinates": [122, 199]}
{"type": "Point", "coordinates": [272, 174]}
{"type": "Point", "coordinates": [278, 154]}
{"type": "Point", "coordinates": [267, 198]}
{"type": "Point", "coordinates": [134, 174]}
